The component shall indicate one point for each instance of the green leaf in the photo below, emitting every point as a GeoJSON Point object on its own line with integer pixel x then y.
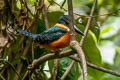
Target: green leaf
{"type": "Point", "coordinates": [92, 54]}
{"type": "Point", "coordinates": [94, 27]}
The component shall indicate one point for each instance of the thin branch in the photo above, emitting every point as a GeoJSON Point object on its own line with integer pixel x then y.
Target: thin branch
{"type": "Point", "coordinates": [87, 16]}
{"type": "Point", "coordinates": [19, 67]}
{"type": "Point", "coordinates": [55, 69]}
{"type": "Point", "coordinates": [67, 71]}
{"type": "Point", "coordinates": [97, 67]}
{"type": "Point", "coordinates": [88, 23]}
{"type": "Point", "coordinates": [60, 6]}
{"type": "Point", "coordinates": [33, 51]}
{"type": "Point", "coordinates": [36, 16]}
{"type": "Point", "coordinates": [3, 60]}
{"type": "Point", "coordinates": [70, 12]}
{"type": "Point", "coordinates": [14, 69]}
{"type": "Point", "coordinates": [26, 73]}
{"type": "Point", "coordinates": [44, 14]}
{"type": "Point", "coordinates": [28, 8]}
{"type": "Point", "coordinates": [1, 77]}
{"type": "Point", "coordinates": [74, 44]}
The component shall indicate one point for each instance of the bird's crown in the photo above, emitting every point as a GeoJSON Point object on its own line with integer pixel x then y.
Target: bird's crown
{"type": "Point", "coordinates": [63, 20]}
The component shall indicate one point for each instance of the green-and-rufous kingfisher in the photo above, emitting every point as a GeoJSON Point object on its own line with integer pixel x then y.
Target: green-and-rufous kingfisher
{"type": "Point", "coordinates": [55, 37]}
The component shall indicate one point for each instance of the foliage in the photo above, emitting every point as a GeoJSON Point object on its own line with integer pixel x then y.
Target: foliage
{"type": "Point", "coordinates": [17, 51]}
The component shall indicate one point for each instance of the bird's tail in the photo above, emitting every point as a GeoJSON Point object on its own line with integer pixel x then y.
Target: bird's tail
{"type": "Point", "coordinates": [28, 34]}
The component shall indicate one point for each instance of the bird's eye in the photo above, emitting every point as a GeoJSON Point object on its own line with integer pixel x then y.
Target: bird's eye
{"type": "Point", "coordinates": [80, 20]}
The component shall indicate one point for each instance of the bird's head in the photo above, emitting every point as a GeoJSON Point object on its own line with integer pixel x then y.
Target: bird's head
{"type": "Point", "coordinates": [65, 21]}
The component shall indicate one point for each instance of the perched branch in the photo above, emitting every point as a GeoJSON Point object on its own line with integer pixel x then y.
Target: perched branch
{"type": "Point", "coordinates": [44, 58]}
{"type": "Point", "coordinates": [66, 54]}
{"type": "Point", "coordinates": [97, 67]}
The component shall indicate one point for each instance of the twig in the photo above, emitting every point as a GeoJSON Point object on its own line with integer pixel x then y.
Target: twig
{"type": "Point", "coordinates": [68, 70]}
{"type": "Point", "coordinates": [26, 73]}
{"type": "Point", "coordinates": [60, 6]}
{"type": "Point", "coordinates": [55, 68]}
{"type": "Point", "coordinates": [70, 12]}
{"type": "Point", "coordinates": [14, 69]}
{"type": "Point", "coordinates": [88, 23]}
{"type": "Point", "coordinates": [36, 16]}
{"type": "Point", "coordinates": [87, 16]}
{"type": "Point", "coordinates": [82, 40]}
{"type": "Point", "coordinates": [19, 67]}
{"type": "Point", "coordinates": [11, 67]}
{"type": "Point", "coordinates": [67, 10]}
{"type": "Point", "coordinates": [33, 51]}
{"type": "Point", "coordinates": [28, 8]}
{"type": "Point", "coordinates": [1, 77]}
{"type": "Point", "coordinates": [97, 67]}
{"type": "Point", "coordinates": [45, 17]}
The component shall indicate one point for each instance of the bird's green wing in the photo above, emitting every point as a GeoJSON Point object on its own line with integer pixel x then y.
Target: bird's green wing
{"type": "Point", "coordinates": [50, 35]}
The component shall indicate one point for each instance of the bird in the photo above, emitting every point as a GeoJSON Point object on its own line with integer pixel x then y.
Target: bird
{"type": "Point", "coordinates": [54, 38]}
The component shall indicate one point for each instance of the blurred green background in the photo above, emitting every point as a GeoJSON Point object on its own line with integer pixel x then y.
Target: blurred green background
{"type": "Point", "coordinates": [101, 46]}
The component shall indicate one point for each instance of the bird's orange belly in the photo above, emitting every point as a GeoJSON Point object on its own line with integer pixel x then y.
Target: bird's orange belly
{"type": "Point", "coordinates": [60, 43]}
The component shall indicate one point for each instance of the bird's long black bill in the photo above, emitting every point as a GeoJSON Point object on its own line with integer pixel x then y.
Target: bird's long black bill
{"type": "Point", "coordinates": [78, 30]}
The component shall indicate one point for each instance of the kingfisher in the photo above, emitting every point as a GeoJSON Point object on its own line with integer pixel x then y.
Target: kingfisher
{"type": "Point", "coordinates": [55, 37]}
